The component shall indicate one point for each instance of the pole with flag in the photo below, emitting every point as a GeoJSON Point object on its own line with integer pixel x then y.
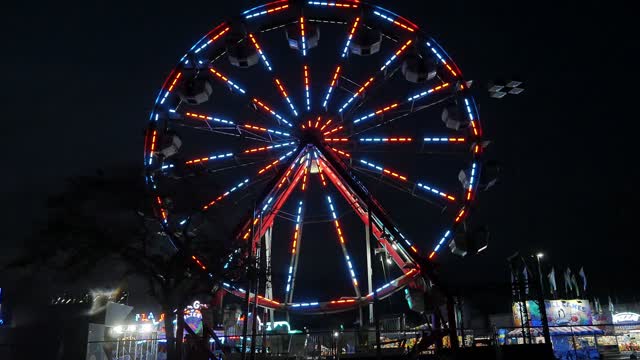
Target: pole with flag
{"type": "Point", "coordinates": [584, 279]}
{"type": "Point", "coordinates": [611, 308]}
{"type": "Point", "coordinates": [552, 282]}
{"type": "Point", "coordinates": [567, 282]}
{"type": "Point", "coordinates": [574, 282]}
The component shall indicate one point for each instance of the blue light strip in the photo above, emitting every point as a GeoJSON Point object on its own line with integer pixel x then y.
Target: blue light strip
{"type": "Point", "coordinates": [431, 189]}
{"type": "Point", "coordinates": [371, 165]}
{"type": "Point", "coordinates": [305, 304]}
{"type": "Point", "coordinates": [442, 240]}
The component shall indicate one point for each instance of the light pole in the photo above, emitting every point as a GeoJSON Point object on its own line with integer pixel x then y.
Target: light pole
{"type": "Point", "coordinates": [541, 303]}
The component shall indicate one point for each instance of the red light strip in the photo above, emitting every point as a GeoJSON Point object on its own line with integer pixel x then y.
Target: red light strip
{"type": "Point", "coordinates": [357, 93]}
{"type": "Point", "coordinates": [226, 79]}
{"type": "Point", "coordinates": [334, 130]}
{"type": "Point", "coordinates": [336, 139]}
{"type": "Point", "coordinates": [174, 82]}
{"type": "Point", "coordinates": [460, 215]}
{"type": "Point", "coordinates": [268, 167]}
{"type": "Point", "coordinates": [199, 263]}
{"type": "Point", "coordinates": [341, 152]}
{"type": "Point", "coordinates": [302, 37]}
{"type": "Point", "coordinates": [322, 178]}
{"type": "Point", "coordinates": [163, 212]}
{"type": "Point", "coordinates": [353, 30]}
{"type": "Point", "coordinates": [304, 177]}
{"type": "Point", "coordinates": [326, 124]}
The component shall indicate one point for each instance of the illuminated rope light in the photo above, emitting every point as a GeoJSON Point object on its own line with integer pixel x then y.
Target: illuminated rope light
{"type": "Point", "coordinates": [240, 184]}
{"type": "Point", "coordinates": [436, 191]}
{"type": "Point", "coordinates": [170, 88]}
{"type": "Point", "coordinates": [265, 148]}
{"type": "Point", "coordinates": [427, 92]}
{"type": "Point", "coordinates": [152, 148]}
{"type": "Point", "coordinates": [284, 94]}
{"type": "Point", "coordinates": [225, 79]}
{"type": "Point", "coordinates": [303, 37]}
{"type": "Point", "coordinates": [341, 152]}
{"type": "Point", "coordinates": [343, 301]}
{"type": "Point", "coordinates": [205, 117]}
{"type": "Point", "coordinates": [266, 108]}
{"type": "Point", "coordinates": [305, 304]}
{"type": "Point", "coordinates": [377, 112]}
{"type": "Point", "coordinates": [356, 94]}
{"type": "Point", "coordinates": [271, 131]}
{"type": "Point", "coordinates": [336, 222]}
{"type": "Point", "coordinates": [216, 37]}
{"type": "Point", "coordinates": [205, 159]}
{"type": "Point", "coordinates": [163, 212]}
{"type": "Point", "coordinates": [334, 80]}
{"type": "Point", "coordinates": [442, 60]}
{"type": "Point", "coordinates": [326, 124]}
{"type": "Point", "coordinates": [268, 11]}
{"type": "Point", "coordinates": [440, 243]}
{"type": "Point", "coordinates": [404, 238]}
{"type": "Point", "coordinates": [333, 4]}
{"type": "Point", "coordinates": [444, 139]}
{"type": "Point", "coordinates": [322, 178]}
{"type": "Point", "coordinates": [384, 170]}
{"type": "Point", "coordinates": [306, 174]}
{"type": "Point", "coordinates": [471, 119]}
{"type": "Point", "coordinates": [471, 181]}
{"type": "Point", "coordinates": [334, 130]}
{"type": "Point", "coordinates": [393, 140]}
{"type": "Point", "coordinates": [261, 171]}
{"type": "Point", "coordinates": [336, 139]}
{"type": "Point", "coordinates": [353, 30]}
{"type": "Point", "coordinates": [394, 21]}
{"type": "Point", "coordinates": [198, 262]}
{"type": "Point", "coordinates": [395, 56]}
{"type": "Point", "coordinates": [306, 87]}
{"type": "Point", "coordinates": [262, 55]}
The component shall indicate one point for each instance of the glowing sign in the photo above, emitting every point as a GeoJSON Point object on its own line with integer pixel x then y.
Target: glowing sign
{"type": "Point", "coordinates": [626, 317]}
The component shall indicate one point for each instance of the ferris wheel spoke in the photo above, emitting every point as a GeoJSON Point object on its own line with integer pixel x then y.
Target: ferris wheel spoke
{"type": "Point", "coordinates": [295, 254]}
{"type": "Point", "coordinates": [342, 241]}
{"type": "Point", "coordinates": [259, 104]}
{"type": "Point", "coordinates": [390, 173]}
{"type": "Point", "coordinates": [232, 85]}
{"type": "Point", "coordinates": [338, 68]}
{"type": "Point", "coordinates": [245, 183]}
{"type": "Point", "coordinates": [360, 91]}
{"type": "Point", "coordinates": [399, 112]}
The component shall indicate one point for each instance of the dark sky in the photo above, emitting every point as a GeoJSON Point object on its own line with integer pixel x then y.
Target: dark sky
{"type": "Point", "coordinates": [79, 80]}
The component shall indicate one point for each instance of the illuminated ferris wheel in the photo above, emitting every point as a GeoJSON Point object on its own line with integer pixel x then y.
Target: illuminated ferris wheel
{"type": "Point", "coordinates": [264, 121]}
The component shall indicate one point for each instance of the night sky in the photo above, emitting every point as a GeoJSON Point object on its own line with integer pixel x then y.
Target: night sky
{"type": "Point", "coordinates": [79, 81]}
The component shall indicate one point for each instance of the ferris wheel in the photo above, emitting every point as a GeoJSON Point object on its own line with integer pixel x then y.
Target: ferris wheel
{"type": "Point", "coordinates": [265, 121]}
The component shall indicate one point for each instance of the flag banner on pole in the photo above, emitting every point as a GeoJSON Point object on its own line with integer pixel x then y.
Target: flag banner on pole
{"type": "Point", "coordinates": [552, 281]}
{"type": "Point", "coordinates": [584, 278]}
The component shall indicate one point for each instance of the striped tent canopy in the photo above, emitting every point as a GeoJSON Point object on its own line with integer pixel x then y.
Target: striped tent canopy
{"type": "Point", "coordinates": [561, 330]}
